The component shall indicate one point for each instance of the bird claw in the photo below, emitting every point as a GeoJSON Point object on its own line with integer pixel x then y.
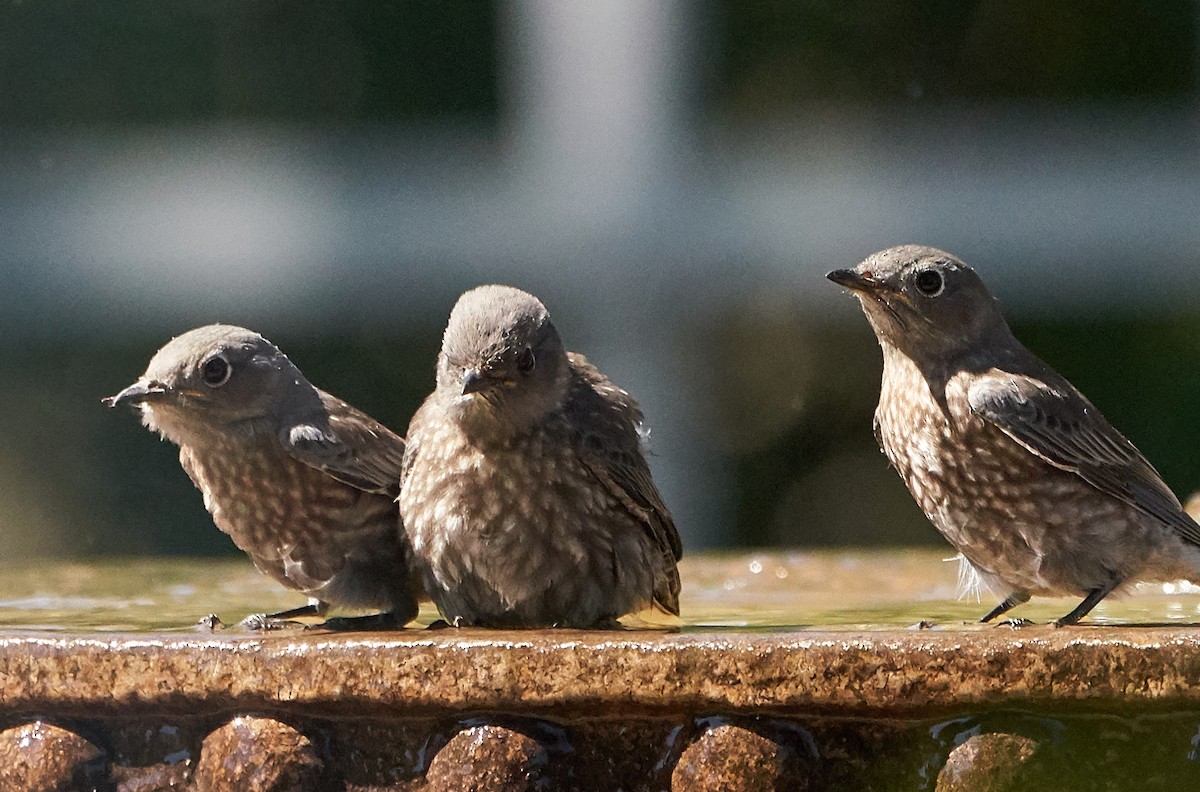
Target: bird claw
{"type": "Point", "coordinates": [261, 622]}
{"type": "Point", "coordinates": [1015, 624]}
{"type": "Point", "coordinates": [212, 622]}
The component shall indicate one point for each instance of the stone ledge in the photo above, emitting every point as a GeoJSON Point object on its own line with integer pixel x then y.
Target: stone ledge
{"type": "Point", "coordinates": [416, 673]}
{"type": "Point", "coordinates": [423, 711]}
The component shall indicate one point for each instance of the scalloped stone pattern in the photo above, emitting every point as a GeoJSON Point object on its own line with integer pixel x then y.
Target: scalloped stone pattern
{"type": "Point", "coordinates": [632, 710]}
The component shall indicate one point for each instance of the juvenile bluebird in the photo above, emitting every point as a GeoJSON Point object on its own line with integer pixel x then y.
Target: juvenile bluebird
{"type": "Point", "coordinates": [1014, 466]}
{"type": "Point", "coordinates": [302, 482]}
{"type": "Point", "coordinates": [526, 494]}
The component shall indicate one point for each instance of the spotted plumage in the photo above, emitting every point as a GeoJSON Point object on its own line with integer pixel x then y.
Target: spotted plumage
{"type": "Point", "coordinates": [1014, 466]}
{"type": "Point", "coordinates": [302, 482]}
{"type": "Point", "coordinates": [526, 493]}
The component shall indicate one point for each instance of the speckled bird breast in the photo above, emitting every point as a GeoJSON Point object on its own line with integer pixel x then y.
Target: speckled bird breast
{"type": "Point", "coordinates": [289, 517]}
{"type": "Point", "coordinates": [1012, 514]}
{"type": "Point", "coordinates": [258, 495]}
{"type": "Point", "coordinates": [520, 532]}
{"type": "Point", "coordinates": [531, 486]}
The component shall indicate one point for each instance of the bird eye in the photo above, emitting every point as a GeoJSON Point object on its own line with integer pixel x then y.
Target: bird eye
{"type": "Point", "coordinates": [216, 371]}
{"type": "Point", "coordinates": [527, 361]}
{"type": "Point", "coordinates": [930, 282]}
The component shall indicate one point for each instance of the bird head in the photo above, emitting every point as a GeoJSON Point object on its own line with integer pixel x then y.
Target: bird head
{"type": "Point", "coordinates": [924, 301]}
{"type": "Point", "coordinates": [502, 357]}
{"type": "Point", "coordinates": [217, 376]}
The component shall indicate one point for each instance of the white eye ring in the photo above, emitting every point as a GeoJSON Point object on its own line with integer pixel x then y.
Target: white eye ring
{"type": "Point", "coordinates": [215, 371]}
{"type": "Point", "coordinates": [930, 282]}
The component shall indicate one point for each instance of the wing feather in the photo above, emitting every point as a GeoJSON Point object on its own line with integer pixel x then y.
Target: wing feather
{"type": "Point", "coordinates": [606, 421]}
{"type": "Point", "coordinates": [1056, 422]}
{"type": "Point", "coordinates": [349, 445]}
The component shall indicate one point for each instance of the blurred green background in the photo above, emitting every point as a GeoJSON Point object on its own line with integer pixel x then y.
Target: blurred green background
{"type": "Point", "coordinates": [672, 179]}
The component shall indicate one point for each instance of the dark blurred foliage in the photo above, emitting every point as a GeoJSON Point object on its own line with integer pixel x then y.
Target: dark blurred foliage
{"type": "Point", "coordinates": [778, 54]}
{"type": "Point", "coordinates": [797, 407]}
{"type": "Point", "coordinates": [794, 409]}
{"type": "Point", "coordinates": [95, 481]}
{"type": "Point", "coordinates": [795, 397]}
{"type": "Point", "coordinates": [142, 61]}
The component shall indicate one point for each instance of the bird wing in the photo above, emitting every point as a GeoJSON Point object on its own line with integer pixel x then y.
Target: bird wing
{"type": "Point", "coordinates": [605, 420]}
{"type": "Point", "coordinates": [349, 445]}
{"type": "Point", "coordinates": [1056, 422]}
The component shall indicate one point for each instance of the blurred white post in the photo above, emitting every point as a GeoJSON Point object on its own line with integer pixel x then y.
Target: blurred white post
{"type": "Point", "coordinates": [592, 90]}
{"type": "Point", "coordinates": [597, 95]}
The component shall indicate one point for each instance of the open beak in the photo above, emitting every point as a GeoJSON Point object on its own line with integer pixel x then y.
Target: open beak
{"type": "Point", "coordinates": [138, 392]}
{"type": "Point", "coordinates": [854, 280]}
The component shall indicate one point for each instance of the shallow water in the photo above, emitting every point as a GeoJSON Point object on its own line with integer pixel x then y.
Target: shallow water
{"type": "Point", "coordinates": [790, 591]}
{"type": "Point", "coordinates": [777, 591]}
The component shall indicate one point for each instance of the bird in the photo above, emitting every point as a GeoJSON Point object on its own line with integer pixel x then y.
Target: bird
{"type": "Point", "coordinates": [1023, 475]}
{"type": "Point", "coordinates": [525, 493]}
{"type": "Point", "coordinates": [303, 483]}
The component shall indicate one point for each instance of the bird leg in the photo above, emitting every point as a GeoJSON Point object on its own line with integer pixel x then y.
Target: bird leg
{"type": "Point", "coordinates": [1090, 601]}
{"type": "Point", "coordinates": [373, 622]}
{"type": "Point", "coordinates": [314, 607]}
{"type": "Point", "coordinates": [1010, 602]}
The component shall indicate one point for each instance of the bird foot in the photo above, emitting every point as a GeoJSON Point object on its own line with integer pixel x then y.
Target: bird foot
{"type": "Point", "coordinates": [261, 622]}
{"type": "Point", "coordinates": [923, 624]}
{"type": "Point", "coordinates": [1015, 624]}
{"type": "Point", "coordinates": [212, 622]}
{"type": "Point", "coordinates": [440, 624]}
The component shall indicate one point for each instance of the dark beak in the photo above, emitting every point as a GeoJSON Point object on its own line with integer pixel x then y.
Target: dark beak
{"type": "Point", "coordinates": [474, 380]}
{"type": "Point", "coordinates": [138, 392]}
{"type": "Point", "coordinates": [854, 281]}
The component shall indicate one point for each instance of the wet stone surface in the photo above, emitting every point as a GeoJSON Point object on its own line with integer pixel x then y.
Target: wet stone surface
{"type": "Point", "coordinates": [741, 759]}
{"type": "Point", "coordinates": [635, 710]}
{"type": "Point", "coordinates": [492, 758]}
{"type": "Point", "coordinates": [154, 778]}
{"type": "Point", "coordinates": [772, 682]}
{"type": "Point", "coordinates": [257, 754]}
{"type": "Point", "coordinates": [987, 763]}
{"type": "Point", "coordinates": [572, 674]}
{"type": "Point", "coordinates": [42, 757]}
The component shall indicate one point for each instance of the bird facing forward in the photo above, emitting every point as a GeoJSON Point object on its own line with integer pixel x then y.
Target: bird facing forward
{"type": "Point", "coordinates": [1012, 464]}
{"type": "Point", "coordinates": [526, 494]}
{"type": "Point", "coordinates": [302, 482]}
